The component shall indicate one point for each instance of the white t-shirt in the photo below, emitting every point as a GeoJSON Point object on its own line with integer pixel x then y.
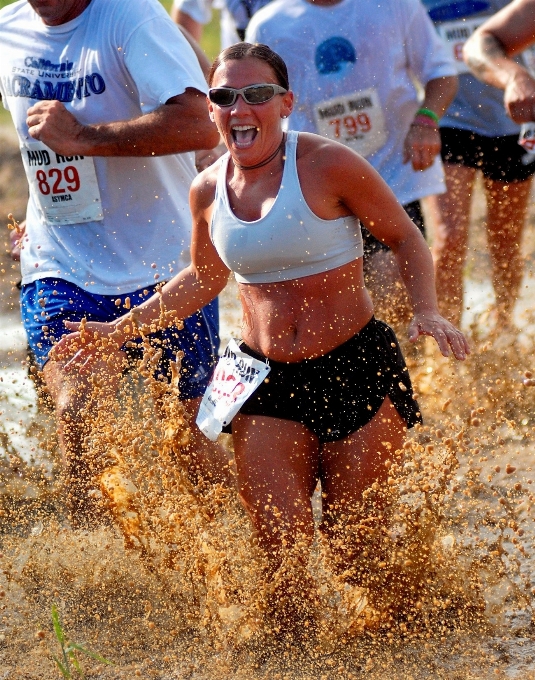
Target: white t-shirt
{"type": "Point", "coordinates": [477, 107]}
{"type": "Point", "coordinates": [116, 61]}
{"type": "Point", "coordinates": [233, 16]}
{"type": "Point", "coordinates": [201, 12]}
{"type": "Point", "coordinates": [352, 67]}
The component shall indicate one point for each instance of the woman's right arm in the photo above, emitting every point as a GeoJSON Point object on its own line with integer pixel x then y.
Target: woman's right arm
{"type": "Point", "coordinates": [196, 285]}
{"type": "Point", "coordinates": [186, 293]}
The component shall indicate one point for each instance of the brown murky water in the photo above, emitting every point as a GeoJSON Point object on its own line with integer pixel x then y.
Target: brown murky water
{"type": "Point", "coordinates": [172, 586]}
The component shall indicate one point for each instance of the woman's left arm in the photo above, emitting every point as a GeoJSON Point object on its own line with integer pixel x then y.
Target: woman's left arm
{"type": "Point", "coordinates": [362, 190]}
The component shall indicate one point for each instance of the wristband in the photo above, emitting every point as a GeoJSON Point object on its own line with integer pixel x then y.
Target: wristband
{"type": "Point", "coordinates": [429, 114]}
{"type": "Point", "coordinates": [424, 121]}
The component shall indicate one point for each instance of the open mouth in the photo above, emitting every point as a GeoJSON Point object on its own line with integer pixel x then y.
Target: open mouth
{"type": "Point", "coordinates": [244, 135]}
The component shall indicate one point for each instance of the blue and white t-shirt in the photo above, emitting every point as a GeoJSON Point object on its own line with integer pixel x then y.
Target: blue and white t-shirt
{"type": "Point", "coordinates": [352, 67]}
{"type": "Point", "coordinates": [115, 61]}
{"type": "Point", "coordinates": [477, 107]}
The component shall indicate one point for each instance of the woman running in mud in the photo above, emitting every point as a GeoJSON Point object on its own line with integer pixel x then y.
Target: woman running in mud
{"type": "Point", "coordinates": [282, 212]}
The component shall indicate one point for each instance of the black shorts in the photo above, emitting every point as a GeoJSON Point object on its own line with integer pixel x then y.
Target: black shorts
{"type": "Point", "coordinates": [501, 159]}
{"type": "Point", "coordinates": [373, 245]}
{"type": "Point", "coordinates": [338, 393]}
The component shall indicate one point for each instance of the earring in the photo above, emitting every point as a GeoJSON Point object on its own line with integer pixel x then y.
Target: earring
{"type": "Point", "coordinates": [284, 117]}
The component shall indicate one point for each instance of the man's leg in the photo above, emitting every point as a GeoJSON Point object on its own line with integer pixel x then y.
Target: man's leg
{"type": "Point", "coordinates": [383, 280]}
{"type": "Point", "coordinates": [45, 305]}
{"type": "Point", "coordinates": [76, 398]}
{"type": "Point", "coordinates": [506, 212]}
{"type": "Point", "coordinates": [451, 239]}
{"type": "Point", "coordinates": [197, 343]}
{"type": "Point", "coordinates": [390, 299]}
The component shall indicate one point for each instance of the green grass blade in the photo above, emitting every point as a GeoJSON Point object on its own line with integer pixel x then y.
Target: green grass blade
{"type": "Point", "coordinates": [75, 663]}
{"type": "Point", "coordinates": [88, 652]}
{"type": "Point", "coordinates": [64, 671]}
{"type": "Point", "coordinates": [58, 630]}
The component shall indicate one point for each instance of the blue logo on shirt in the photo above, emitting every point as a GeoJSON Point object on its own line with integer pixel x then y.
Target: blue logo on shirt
{"type": "Point", "coordinates": [63, 91]}
{"type": "Point", "coordinates": [46, 80]}
{"type": "Point", "coordinates": [47, 65]}
{"type": "Point", "coordinates": [457, 10]}
{"type": "Point", "coordinates": [333, 53]}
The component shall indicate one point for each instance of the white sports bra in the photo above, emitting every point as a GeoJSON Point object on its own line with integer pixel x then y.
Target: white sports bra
{"type": "Point", "coordinates": [290, 241]}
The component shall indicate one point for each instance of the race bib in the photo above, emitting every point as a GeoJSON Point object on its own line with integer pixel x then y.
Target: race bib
{"type": "Point", "coordinates": [356, 120]}
{"type": "Point", "coordinates": [526, 139]}
{"type": "Point", "coordinates": [455, 34]}
{"type": "Point", "coordinates": [65, 187]}
{"type": "Point", "coordinates": [236, 376]}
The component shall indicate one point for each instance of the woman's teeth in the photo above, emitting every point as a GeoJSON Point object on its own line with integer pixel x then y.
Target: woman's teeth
{"type": "Point", "coordinates": [244, 134]}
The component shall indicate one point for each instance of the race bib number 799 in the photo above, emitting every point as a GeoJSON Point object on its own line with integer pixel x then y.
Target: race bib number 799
{"type": "Point", "coordinates": [356, 120]}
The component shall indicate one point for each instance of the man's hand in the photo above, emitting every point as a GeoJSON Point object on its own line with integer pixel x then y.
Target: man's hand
{"type": "Point", "coordinates": [178, 126]}
{"type": "Point", "coordinates": [519, 97]}
{"type": "Point", "coordinates": [490, 51]}
{"type": "Point", "coordinates": [421, 145]}
{"type": "Point", "coordinates": [50, 122]}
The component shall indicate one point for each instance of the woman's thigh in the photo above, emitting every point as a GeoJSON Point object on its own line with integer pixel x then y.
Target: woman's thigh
{"type": "Point", "coordinates": [352, 465]}
{"type": "Point", "coordinates": [277, 468]}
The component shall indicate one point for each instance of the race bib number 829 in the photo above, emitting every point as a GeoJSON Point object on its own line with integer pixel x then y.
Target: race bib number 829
{"type": "Point", "coordinates": [65, 187]}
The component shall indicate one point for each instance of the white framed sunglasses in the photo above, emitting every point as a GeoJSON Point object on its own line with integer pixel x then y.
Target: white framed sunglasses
{"type": "Point", "coordinates": [252, 94]}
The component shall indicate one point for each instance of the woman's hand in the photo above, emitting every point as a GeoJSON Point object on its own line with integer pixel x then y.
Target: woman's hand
{"type": "Point", "coordinates": [91, 342]}
{"type": "Point", "coordinates": [445, 334]}
{"type": "Point", "coordinates": [17, 233]}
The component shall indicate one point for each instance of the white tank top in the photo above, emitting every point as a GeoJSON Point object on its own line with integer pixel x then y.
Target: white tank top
{"type": "Point", "coordinates": [290, 241]}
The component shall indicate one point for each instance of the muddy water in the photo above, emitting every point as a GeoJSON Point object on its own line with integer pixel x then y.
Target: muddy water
{"type": "Point", "coordinates": [171, 584]}
{"type": "Point", "coordinates": [173, 587]}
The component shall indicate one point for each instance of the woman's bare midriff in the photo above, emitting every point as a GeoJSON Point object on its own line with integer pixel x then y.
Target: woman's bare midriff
{"type": "Point", "coordinates": [308, 317]}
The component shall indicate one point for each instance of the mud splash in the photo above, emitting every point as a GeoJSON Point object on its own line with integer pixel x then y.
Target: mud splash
{"type": "Point", "coordinates": [172, 584]}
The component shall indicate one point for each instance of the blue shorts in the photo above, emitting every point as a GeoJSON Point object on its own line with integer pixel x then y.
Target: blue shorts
{"type": "Point", "coordinates": [47, 303]}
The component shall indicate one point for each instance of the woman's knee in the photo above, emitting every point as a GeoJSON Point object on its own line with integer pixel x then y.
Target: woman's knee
{"type": "Point", "coordinates": [279, 523]}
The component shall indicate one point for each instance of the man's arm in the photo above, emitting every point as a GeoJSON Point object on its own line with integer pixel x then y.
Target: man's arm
{"type": "Point", "coordinates": [488, 54]}
{"type": "Point", "coordinates": [184, 20]}
{"type": "Point", "coordinates": [181, 124]}
{"type": "Point", "coordinates": [422, 143]}
{"type": "Point", "coordinates": [192, 15]}
{"type": "Point", "coordinates": [203, 60]}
